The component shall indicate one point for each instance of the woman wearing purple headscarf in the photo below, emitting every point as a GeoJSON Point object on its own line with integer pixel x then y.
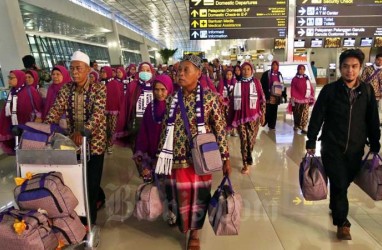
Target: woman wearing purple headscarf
{"type": "Point", "coordinates": [139, 94]}
{"type": "Point", "coordinates": [248, 112]}
{"type": "Point", "coordinates": [302, 95]}
{"type": "Point", "coordinates": [60, 76]}
{"type": "Point", "coordinates": [18, 108]}
{"type": "Point", "coordinates": [146, 146]}
{"type": "Point", "coordinates": [114, 93]}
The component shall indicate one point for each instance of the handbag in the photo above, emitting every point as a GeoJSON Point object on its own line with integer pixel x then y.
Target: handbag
{"type": "Point", "coordinates": [369, 178]}
{"type": "Point", "coordinates": [224, 209]}
{"type": "Point", "coordinates": [205, 151]}
{"type": "Point", "coordinates": [277, 89]}
{"type": "Point", "coordinates": [313, 180]}
{"type": "Point", "coordinates": [148, 205]}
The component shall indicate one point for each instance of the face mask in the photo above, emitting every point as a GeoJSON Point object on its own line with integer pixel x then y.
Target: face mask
{"type": "Point", "coordinates": [160, 72]}
{"type": "Point", "coordinates": [145, 76]}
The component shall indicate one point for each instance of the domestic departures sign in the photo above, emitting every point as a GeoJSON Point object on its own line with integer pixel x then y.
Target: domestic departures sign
{"type": "Point", "coordinates": [240, 19]}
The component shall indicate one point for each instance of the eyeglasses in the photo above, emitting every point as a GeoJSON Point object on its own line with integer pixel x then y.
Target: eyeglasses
{"type": "Point", "coordinates": [11, 77]}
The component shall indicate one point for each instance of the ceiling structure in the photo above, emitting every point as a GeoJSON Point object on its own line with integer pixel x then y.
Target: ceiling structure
{"type": "Point", "coordinates": [166, 22]}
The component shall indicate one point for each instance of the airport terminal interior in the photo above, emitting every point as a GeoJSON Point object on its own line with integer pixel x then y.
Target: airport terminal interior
{"type": "Point", "coordinates": [114, 33]}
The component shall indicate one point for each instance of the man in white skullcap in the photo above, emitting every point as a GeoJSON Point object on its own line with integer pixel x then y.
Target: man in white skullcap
{"type": "Point", "coordinates": [83, 104]}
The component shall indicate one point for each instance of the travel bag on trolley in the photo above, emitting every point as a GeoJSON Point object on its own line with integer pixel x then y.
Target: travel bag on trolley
{"type": "Point", "coordinates": [28, 229]}
{"type": "Point", "coordinates": [58, 181]}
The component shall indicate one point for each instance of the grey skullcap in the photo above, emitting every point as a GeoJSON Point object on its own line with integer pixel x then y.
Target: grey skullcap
{"type": "Point", "coordinates": [195, 60]}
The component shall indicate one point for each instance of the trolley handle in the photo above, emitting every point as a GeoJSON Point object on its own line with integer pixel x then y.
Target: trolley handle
{"type": "Point", "coordinates": [16, 131]}
{"type": "Point", "coordinates": [86, 133]}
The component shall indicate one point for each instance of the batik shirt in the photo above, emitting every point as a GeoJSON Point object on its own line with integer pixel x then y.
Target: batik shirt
{"type": "Point", "coordinates": [214, 120]}
{"type": "Point", "coordinates": [88, 113]}
{"type": "Point", "coordinates": [375, 81]}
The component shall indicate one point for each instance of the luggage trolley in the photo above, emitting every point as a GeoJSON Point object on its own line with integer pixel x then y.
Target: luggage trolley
{"type": "Point", "coordinates": [74, 172]}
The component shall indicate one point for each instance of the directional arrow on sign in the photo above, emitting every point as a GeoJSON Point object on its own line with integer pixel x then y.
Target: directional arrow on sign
{"type": "Point", "coordinates": [194, 13]}
{"type": "Point", "coordinates": [301, 32]}
{"type": "Point", "coordinates": [297, 201]}
{"type": "Point", "coordinates": [302, 11]}
{"type": "Point", "coordinates": [195, 34]}
{"type": "Point", "coordinates": [197, 2]}
{"type": "Point", "coordinates": [195, 23]}
{"type": "Point", "coordinates": [301, 22]}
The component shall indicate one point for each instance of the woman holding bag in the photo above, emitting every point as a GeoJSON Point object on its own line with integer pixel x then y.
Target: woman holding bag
{"type": "Point", "coordinates": [302, 96]}
{"type": "Point", "coordinates": [190, 192]}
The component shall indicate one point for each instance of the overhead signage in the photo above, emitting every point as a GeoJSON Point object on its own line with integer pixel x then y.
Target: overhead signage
{"type": "Point", "coordinates": [342, 18]}
{"type": "Point", "coordinates": [239, 19]}
{"type": "Point", "coordinates": [338, 2]}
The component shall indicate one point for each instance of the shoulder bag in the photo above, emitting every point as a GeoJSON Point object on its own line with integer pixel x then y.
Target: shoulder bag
{"type": "Point", "coordinates": [205, 151]}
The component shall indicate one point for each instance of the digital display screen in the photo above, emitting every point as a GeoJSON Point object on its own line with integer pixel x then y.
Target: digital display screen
{"type": "Point", "coordinates": [280, 43]}
{"type": "Point", "coordinates": [332, 42]}
{"type": "Point", "coordinates": [349, 42]}
{"type": "Point", "coordinates": [316, 43]}
{"type": "Point", "coordinates": [366, 42]}
{"type": "Point", "coordinates": [378, 42]}
{"type": "Point", "coordinates": [300, 43]}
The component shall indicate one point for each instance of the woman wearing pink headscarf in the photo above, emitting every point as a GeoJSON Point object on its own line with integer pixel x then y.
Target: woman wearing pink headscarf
{"type": "Point", "coordinates": [60, 76]}
{"type": "Point", "coordinates": [21, 107]}
{"type": "Point", "coordinates": [93, 76]}
{"type": "Point", "coordinates": [225, 89]}
{"type": "Point", "coordinates": [114, 93]}
{"type": "Point", "coordinates": [139, 94]}
{"type": "Point", "coordinates": [131, 72]}
{"type": "Point", "coordinates": [302, 95]}
{"type": "Point", "coordinates": [31, 78]}
{"type": "Point", "coordinates": [121, 78]}
{"type": "Point", "coordinates": [268, 79]}
{"type": "Point", "coordinates": [248, 112]}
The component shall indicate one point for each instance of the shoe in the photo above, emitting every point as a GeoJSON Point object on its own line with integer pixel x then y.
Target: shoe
{"type": "Point", "coordinates": [343, 232]}
{"type": "Point", "coordinates": [304, 132]}
{"type": "Point", "coordinates": [249, 160]}
{"type": "Point", "coordinates": [171, 219]}
{"type": "Point", "coordinates": [109, 151]}
{"type": "Point", "coordinates": [295, 128]}
{"type": "Point", "coordinates": [100, 204]}
{"type": "Point", "coordinates": [245, 170]}
{"type": "Point", "coordinates": [193, 244]}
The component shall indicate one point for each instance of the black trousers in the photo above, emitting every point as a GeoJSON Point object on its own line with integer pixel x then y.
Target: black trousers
{"type": "Point", "coordinates": [341, 169]}
{"type": "Point", "coordinates": [95, 167]}
{"type": "Point", "coordinates": [271, 115]}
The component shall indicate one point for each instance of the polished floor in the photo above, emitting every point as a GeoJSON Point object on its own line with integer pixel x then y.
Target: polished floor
{"type": "Point", "coordinates": [274, 216]}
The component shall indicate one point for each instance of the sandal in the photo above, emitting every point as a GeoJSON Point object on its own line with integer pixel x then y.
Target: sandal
{"type": "Point", "coordinates": [193, 244]}
{"type": "Point", "coordinates": [171, 219]}
{"type": "Point", "coordinates": [245, 170]}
